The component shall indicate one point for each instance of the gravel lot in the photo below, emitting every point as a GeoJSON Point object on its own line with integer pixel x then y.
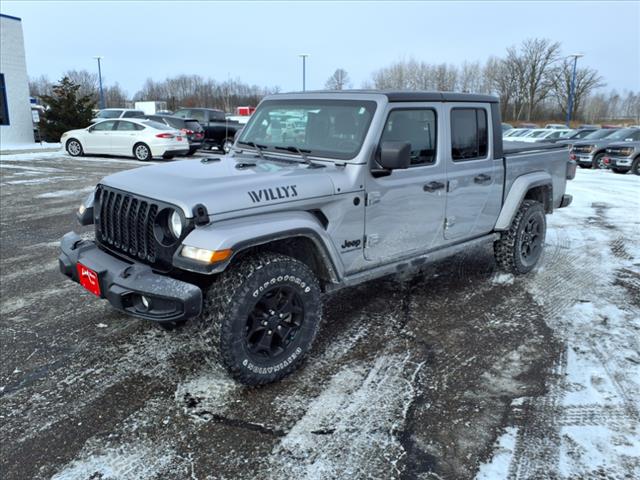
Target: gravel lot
{"type": "Point", "coordinates": [455, 373]}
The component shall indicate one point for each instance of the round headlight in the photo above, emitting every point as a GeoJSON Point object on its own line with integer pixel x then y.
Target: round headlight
{"type": "Point", "coordinates": [175, 224]}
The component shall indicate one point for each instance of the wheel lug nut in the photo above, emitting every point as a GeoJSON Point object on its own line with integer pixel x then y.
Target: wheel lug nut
{"type": "Point", "coordinates": [281, 315]}
{"type": "Point", "coordinates": [264, 323]}
{"type": "Point", "coordinates": [269, 332]}
{"type": "Point", "coordinates": [279, 327]}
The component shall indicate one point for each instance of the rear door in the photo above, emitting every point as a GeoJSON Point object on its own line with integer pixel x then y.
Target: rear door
{"type": "Point", "coordinates": [125, 135]}
{"type": "Point", "coordinates": [99, 138]}
{"type": "Point", "coordinates": [405, 210]}
{"type": "Point", "coordinates": [474, 178]}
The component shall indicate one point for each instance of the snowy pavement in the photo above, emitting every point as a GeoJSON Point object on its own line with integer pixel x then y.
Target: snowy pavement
{"type": "Point", "coordinates": [461, 372]}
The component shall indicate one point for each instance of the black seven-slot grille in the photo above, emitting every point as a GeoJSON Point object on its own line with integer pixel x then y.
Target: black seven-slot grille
{"type": "Point", "coordinates": [125, 223]}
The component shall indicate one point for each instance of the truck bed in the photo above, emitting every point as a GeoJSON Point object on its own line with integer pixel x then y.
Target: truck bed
{"type": "Point", "coordinates": [510, 148]}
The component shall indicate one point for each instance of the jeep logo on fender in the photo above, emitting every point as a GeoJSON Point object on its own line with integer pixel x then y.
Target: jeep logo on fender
{"type": "Point", "coordinates": [278, 193]}
{"type": "Point", "coordinates": [351, 244]}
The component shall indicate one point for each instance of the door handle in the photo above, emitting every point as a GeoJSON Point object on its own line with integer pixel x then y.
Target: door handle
{"type": "Point", "coordinates": [432, 186]}
{"type": "Point", "coordinates": [482, 178]}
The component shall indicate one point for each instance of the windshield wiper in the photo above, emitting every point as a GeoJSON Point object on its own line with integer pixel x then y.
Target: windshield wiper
{"type": "Point", "coordinates": [257, 146]}
{"type": "Point", "coordinates": [302, 152]}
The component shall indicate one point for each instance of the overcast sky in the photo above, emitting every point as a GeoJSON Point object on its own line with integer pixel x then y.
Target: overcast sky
{"type": "Point", "coordinates": [258, 42]}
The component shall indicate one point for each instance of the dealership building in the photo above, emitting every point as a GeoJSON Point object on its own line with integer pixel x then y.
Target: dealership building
{"type": "Point", "coordinates": [16, 121]}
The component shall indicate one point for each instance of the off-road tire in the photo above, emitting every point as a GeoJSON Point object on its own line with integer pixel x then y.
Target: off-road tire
{"type": "Point", "coordinates": [138, 148]}
{"type": "Point", "coordinates": [74, 147]}
{"type": "Point", "coordinates": [508, 248]}
{"type": "Point", "coordinates": [233, 296]}
{"type": "Point", "coordinates": [635, 166]}
{"type": "Point", "coordinates": [597, 163]}
{"type": "Point", "coordinates": [619, 170]}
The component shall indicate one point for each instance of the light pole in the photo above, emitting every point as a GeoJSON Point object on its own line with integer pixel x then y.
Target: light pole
{"type": "Point", "coordinates": [304, 70]}
{"type": "Point", "coordinates": [102, 106]}
{"type": "Point", "coordinates": [575, 56]}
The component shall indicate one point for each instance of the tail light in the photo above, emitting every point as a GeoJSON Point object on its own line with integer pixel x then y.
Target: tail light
{"type": "Point", "coordinates": [572, 156]}
{"type": "Point", "coordinates": [186, 131]}
{"type": "Point", "coordinates": [164, 135]}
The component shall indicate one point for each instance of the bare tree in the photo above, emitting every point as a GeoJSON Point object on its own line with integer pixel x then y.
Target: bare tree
{"type": "Point", "coordinates": [338, 81]}
{"type": "Point", "coordinates": [587, 80]}
{"type": "Point", "coordinates": [115, 96]}
{"type": "Point", "coordinates": [40, 86]}
{"type": "Point", "coordinates": [87, 81]}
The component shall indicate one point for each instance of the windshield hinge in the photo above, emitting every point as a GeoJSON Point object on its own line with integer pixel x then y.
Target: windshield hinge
{"type": "Point", "coordinates": [373, 198]}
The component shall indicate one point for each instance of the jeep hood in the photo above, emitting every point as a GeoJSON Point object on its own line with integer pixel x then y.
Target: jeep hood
{"type": "Point", "coordinates": [224, 185]}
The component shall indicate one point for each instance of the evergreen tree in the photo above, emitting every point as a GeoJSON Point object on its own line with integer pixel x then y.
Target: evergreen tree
{"type": "Point", "coordinates": [67, 110]}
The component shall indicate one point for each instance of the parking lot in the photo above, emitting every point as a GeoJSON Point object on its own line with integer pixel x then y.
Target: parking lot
{"type": "Point", "coordinates": [457, 372]}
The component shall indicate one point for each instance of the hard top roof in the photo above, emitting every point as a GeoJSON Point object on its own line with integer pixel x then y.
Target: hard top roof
{"type": "Point", "coordinates": [414, 95]}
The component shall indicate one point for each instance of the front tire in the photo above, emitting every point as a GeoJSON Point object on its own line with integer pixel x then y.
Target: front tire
{"type": "Point", "coordinates": [598, 162]}
{"type": "Point", "coordinates": [519, 248]}
{"type": "Point", "coordinates": [142, 152]}
{"type": "Point", "coordinates": [74, 148]}
{"type": "Point", "coordinates": [261, 316]}
{"type": "Point", "coordinates": [635, 166]}
{"type": "Point", "coordinates": [619, 170]}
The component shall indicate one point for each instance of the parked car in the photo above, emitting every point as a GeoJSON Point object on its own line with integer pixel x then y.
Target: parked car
{"type": "Point", "coordinates": [190, 127]}
{"type": "Point", "coordinates": [590, 153]}
{"type": "Point", "coordinates": [249, 243]}
{"type": "Point", "coordinates": [111, 113]}
{"type": "Point", "coordinates": [598, 134]}
{"type": "Point", "coordinates": [218, 130]}
{"type": "Point", "coordinates": [556, 126]}
{"type": "Point", "coordinates": [514, 134]}
{"type": "Point", "coordinates": [544, 135]}
{"type": "Point", "coordinates": [139, 138]}
{"type": "Point", "coordinates": [589, 125]}
{"type": "Point", "coordinates": [529, 125]}
{"type": "Point", "coordinates": [623, 157]}
{"type": "Point", "coordinates": [506, 127]}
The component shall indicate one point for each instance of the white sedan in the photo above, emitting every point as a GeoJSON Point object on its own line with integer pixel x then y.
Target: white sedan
{"type": "Point", "coordinates": [544, 135]}
{"type": "Point", "coordinates": [140, 138]}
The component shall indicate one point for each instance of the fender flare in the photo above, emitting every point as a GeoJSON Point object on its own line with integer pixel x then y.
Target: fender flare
{"type": "Point", "coordinates": [242, 233]}
{"type": "Point", "coordinates": [519, 189]}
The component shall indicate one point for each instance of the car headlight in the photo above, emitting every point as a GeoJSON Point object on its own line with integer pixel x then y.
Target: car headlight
{"type": "Point", "coordinates": [175, 224]}
{"type": "Point", "coordinates": [626, 152]}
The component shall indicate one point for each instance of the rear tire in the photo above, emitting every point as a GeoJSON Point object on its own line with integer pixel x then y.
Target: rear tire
{"type": "Point", "coordinates": [619, 170]}
{"type": "Point", "coordinates": [519, 248]}
{"type": "Point", "coordinates": [142, 152]}
{"type": "Point", "coordinates": [260, 317]}
{"type": "Point", "coordinates": [598, 162]}
{"type": "Point", "coordinates": [74, 148]}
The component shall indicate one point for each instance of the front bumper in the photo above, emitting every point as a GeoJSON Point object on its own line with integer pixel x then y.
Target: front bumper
{"type": "Point", "coordinates": [124, 283]}
{"type": "Point", "coordinates": [584, 159]}
{"type": "Point", "coordinates": [617, 162]}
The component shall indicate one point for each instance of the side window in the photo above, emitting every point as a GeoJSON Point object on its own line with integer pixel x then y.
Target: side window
{"type": "Point", "coordinates": [133, 114]}
{"type": "Point", "coordinates": [125, 126]}
{"type": "Point", "coordinates": [416, 126]}
{"type": "Point", "coordinates": [103, 126]}
{"type": "Point", "coordinates": [469, 135]}
{"type": "Point", "coordinates": [197, 114]}
{"type": "Point", "coordinates": [216, 116]}
{"type": "Point", "coordinates": [4, 108]}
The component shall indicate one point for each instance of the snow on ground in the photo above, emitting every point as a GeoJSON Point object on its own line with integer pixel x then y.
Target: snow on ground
{"type": "Point", "coordinates": [7, 148]}
{"type": "Point", "coordinates": [588, 424]}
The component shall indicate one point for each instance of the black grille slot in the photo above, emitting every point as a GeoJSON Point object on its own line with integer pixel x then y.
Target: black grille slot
{"type": "Point", "coordinates": [126, 224]}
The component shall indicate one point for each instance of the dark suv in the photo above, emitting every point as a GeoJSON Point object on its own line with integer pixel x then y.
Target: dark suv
{"type": "Point", "coordinates": [189, 126]}
{"type": "Point", "coordinates": [218, 130]}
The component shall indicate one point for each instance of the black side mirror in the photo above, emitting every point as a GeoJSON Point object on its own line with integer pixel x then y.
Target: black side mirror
{"type": "Point", "coordinates": [395, 155]}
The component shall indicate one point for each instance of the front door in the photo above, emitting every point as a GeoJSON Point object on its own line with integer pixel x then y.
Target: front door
{"type": "Point", "coordinates": [474, 178]}
{"type": "Point", "coordinates": [99, 138]}
{"type": "Point", "coordinates": [405, 210]}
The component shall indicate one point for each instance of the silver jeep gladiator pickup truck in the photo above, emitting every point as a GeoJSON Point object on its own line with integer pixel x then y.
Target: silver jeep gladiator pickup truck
{"type": "Point", "coordinates": [367, 184]}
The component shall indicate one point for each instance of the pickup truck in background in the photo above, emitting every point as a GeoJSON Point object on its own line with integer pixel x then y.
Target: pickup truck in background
{"type": "Point", "coordinates": [623, 157]}
{"type": "Point", "coordinates": [321, 191]}
{"type": "Point", "coordinates": [218, 130]}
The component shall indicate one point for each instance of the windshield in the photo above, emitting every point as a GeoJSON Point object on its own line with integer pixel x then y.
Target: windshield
{"type": "Point", "coordinates": [603, 133]}
{"type": "Point", "coordinates": [109, 114]}
{"type": "Point", "coordinates": [324, 128]}
{"type": "Point", "coordinates": [624, 134]}
{"type": "Point", "coordinates": [537, 134]}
